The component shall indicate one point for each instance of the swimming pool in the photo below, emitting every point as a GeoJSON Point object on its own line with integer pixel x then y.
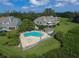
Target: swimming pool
{"type": "Point", "coordinates": [37, 34]}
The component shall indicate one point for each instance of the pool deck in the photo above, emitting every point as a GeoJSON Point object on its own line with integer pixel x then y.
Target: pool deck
{"type": "Point", "coordinates": [31, 40]}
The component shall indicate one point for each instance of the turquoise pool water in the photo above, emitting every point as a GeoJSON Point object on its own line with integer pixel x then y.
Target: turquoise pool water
{"type": "Point", "coordinates": [37, 34]}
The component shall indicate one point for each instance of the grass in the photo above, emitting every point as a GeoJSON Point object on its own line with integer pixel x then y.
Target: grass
{"type": "Point", "coordinates": [65, 25]}
{"type": "Point", "coordinates": [10, 51]}
{"type": "Point", "coordinates": [44, 47]}
{"type": "Point", "coordinates": [3, 40]}
{"type": "Point", "coordinates": [39, 49]}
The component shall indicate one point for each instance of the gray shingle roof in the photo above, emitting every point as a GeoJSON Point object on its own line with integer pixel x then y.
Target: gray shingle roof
{"type": "Point", "coordinates": [9, 21]}
{"type": "Point", "coordinates": [44, 20]}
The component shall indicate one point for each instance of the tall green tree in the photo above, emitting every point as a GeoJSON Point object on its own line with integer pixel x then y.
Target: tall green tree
{"type": "Point", "coordinates": [26, 25]}
{"type": "Point", "coordinates": [49, 12]}
{"type": "Point", "coordinates": [70, 45]}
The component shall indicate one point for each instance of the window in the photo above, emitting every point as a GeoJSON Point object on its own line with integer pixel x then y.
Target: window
{"type": "Point", "coordinates": [11, 28]}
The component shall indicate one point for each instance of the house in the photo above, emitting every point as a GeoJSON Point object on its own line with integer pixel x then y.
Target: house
{"type": "Point", "coordinates": [46, 20]}
{"type": "Point", "coordinates": [9, 23]}
{"type": "Point", "coordinates": [49, 22]}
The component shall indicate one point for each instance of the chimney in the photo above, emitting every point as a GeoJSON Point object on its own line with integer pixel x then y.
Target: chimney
{"type": "Point", "coordinates": [9, 20]}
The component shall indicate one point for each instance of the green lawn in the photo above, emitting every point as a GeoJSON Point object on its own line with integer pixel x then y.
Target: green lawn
{"type": "Point", "coordinates": [11, 51]}
{"type": "Point", "coordinates": [39, 49]}
{"type": "Point", "coordinates": [44, 47]}
{"type": "Point", "coordinates": [3, 40]}
{"type": "Point", "coordinates": [65, 25]}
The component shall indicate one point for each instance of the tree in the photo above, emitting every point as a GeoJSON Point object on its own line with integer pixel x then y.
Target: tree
{"type": "Point", "coordinates": [66, 14]}
{"type": "Point", "coordinates": [76, 17]}
{"type": "Point", "coordinates": [26, 25]}
{"type": "Point", "coordinates": [70, 46]}
{"type": "Point", "coordinates": [49, 12]}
